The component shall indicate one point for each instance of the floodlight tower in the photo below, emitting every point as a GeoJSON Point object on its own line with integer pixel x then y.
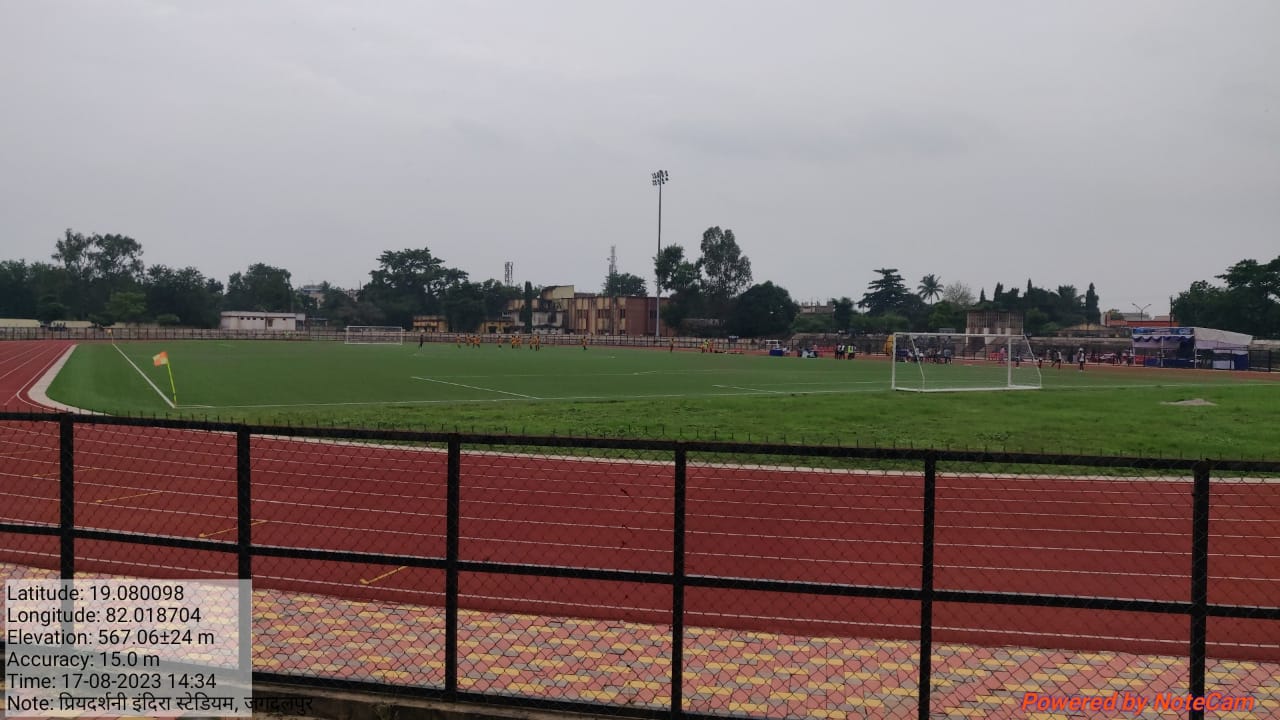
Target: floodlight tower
{"type": "Point", "coordinates": [659, 179]}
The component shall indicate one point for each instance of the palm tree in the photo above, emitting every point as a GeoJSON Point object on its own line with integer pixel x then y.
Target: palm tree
{"type": "Point", "coordinates": [930, 287]}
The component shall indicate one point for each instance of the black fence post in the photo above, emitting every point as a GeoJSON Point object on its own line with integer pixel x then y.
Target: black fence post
{"type": "Point", "coordinates": [67, 495]}
{"type": "Point", "coordinates": [924, 684]}
{"type": "Point", "coordinates": [1199, 581]}
{"type": "Point", "coordinates": [244, 546]}
{"type": "Point", "coordinates": [244, 513]}
{"type": "Point", "coordinates": [677, 581]}
{"type": "Point", "coordinates": [453, 510]}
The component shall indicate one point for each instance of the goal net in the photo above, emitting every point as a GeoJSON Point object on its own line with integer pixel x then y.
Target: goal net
{"type": "Point", "coordinates": [935, 362]}
{"type": "Point", "coordinates": [374, 335]}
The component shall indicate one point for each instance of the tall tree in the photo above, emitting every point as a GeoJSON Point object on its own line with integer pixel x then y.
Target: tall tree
{"type": "Point", "coordinates": [72, 252]}
{"type": "Point", "coordinates": [1254, 290]}
{"type": "Point", "coordinates": [1091, 312]}
{"type": "Point", "coordinates": [674, 272]}
{"type": "Point", "coordinates": [623, 285]}
{"type": "Point", "coordinates": [19, 295]}
{"type": "Point", "coordinates": [944, 314]}
{"type": "Point", "coordinates": [496, 296]}
{"type": "Point", "coordinates": [262, 288]}
{"type": "Point", "coordinates": [464, 306]}
{"type": "Point", "coordinates": [526, 311]}
{"type": "Point", "coordinates": [683, 279]}
{"type": "Point", "coordinates": [958, 294]}
{"type": "Point", "coordinates": [126, 306]}
{"type": "Point", "coordinates": [726, 270]}
{"type": "Point", "coordinates": [116, 257]}
{"type": "Point", "coordinates": [930, 287]}
{"type": "Point", "coordinates": [1250, 302]}
{"type": "Point", "coordinates": [764, 309]}
{"type": "Point", "coordinates": [1204, 305]}
{"type": "Point", "coordinates": [97, 266]}
{"type": "Point", "coordinates": [885, 294]}
{"type": "Point", "coordinates": [410, 282]}
{"type": "Point", "coordinates": [184, 294]}
{"type": "Point", "coordinates": [842, 313]}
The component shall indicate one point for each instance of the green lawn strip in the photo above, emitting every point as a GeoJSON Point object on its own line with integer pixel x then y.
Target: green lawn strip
{"type": "Point", "coordinates": [646, 394]}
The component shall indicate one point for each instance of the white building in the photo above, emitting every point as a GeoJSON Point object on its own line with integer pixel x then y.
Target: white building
{"type": "Point", "coordinates": [269, 321]}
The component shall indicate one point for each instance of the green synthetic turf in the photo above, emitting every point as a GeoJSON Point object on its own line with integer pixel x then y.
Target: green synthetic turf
{"type": "Point", "coordinates": [606, 391]}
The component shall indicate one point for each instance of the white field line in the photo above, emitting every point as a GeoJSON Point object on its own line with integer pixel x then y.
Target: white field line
{"type": "Point", "coordinates": [658, 396]}
{"type": "Point", "coordinates": [474, 387]}
{"type": "Point", "coordinates": [735, 387]}
{"type": "Point", "coordinates": [144, 376]}
{"type": "Point", "coordinates": [747, 392]}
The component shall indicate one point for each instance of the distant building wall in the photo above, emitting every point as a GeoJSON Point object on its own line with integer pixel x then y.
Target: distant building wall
{"type": "Point", "coordinates": [997, 322]}
{"type": "Point", "coordinates": [253, 320]}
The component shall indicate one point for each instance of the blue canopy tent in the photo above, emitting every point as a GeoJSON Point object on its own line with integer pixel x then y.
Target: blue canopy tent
{"type": "Point", "coordinates": [1191, 347]}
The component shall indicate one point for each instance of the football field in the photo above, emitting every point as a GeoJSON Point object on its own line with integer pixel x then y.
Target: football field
{"type": "Point", "coordinates": [613, 391]}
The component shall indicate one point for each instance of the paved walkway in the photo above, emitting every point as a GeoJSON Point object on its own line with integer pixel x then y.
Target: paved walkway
{"type": "Point", "coordinates": [727, 672]}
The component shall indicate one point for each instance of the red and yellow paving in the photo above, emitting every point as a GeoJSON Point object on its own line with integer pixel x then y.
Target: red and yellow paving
{"type": "Point", "coordinates": [726, 671]}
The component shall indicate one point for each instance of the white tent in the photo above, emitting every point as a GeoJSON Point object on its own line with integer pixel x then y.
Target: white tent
{"type": "Point", "coordinates": [1193, 346]}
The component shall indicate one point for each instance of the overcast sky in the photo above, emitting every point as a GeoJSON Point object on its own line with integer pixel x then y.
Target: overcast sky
{"type": "Point", "coordinates": [1135, 145]}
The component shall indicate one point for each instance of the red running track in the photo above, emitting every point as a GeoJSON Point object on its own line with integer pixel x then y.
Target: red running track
{"type": "Point", "coordinates": [1116, 537]}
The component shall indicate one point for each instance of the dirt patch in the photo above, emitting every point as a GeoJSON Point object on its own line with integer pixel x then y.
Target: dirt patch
{"type": "Point", "coordinates": [1197, 402]}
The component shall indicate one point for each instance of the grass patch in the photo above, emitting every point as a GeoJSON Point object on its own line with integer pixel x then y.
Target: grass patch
{"type": "Point", "coordinates": [616, 392]}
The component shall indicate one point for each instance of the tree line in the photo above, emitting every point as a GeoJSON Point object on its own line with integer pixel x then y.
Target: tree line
{"type": "Point", "coordinates": [102, 278]}
{"type": "Point", "coordinates": [1248, 301]}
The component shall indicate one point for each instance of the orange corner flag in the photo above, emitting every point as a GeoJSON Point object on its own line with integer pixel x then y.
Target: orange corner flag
{"type": "Point", "coordinates": [161, 359]}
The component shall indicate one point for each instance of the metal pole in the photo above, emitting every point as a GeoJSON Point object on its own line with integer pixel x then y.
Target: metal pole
{"type": "Point", "coordinates": [1199, 582]}
{"type": "Point", "coordinates": [678, 523]}
{"type": "Point", "coordinates": [924, 682]}
{"type": "Point", "coordinates": [453, 525]}
{"type": "Point", "coordinates": [657, 283]}
{"type": "Point", "coordinates": [244, 545]}
{"type": "Point", "coordinates": [893, 362]}
{"type": "Point", "coordinates": [67, 496]}
{"type": "Point", "coordinates": [1008, 361]}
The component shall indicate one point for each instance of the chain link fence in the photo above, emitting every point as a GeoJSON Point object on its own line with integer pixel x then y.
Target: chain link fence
{"type": "Point", "coordinates": [663, 578]}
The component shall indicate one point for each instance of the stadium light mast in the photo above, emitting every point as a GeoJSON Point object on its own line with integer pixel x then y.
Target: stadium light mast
{"type": "Point", "coordinates": [659, 179]}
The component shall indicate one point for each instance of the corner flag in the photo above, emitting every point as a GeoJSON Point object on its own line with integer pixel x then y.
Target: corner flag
{"type": "Point", "coordinates": [162, 358]}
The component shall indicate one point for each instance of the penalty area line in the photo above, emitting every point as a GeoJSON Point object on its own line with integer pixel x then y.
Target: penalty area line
{"type": "Point", "coordinates": [475, 387]}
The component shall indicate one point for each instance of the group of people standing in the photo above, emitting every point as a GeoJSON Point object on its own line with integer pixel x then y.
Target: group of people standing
{"type": "Point", "coordinates": [1055, 358]}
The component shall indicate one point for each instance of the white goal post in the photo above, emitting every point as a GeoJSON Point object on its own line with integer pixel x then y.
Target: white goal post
{"type": "Point", "coordinates": [954, 362]}
{"type": "Point", "coordinates": [374, 335]}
